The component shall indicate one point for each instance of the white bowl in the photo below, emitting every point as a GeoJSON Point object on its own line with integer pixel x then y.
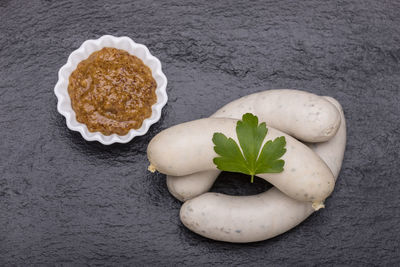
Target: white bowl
{"type": "Point", "coordinates": [83, 52]}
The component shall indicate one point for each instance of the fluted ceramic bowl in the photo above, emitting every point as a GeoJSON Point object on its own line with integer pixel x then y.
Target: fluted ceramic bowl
{"type": "Point", "coordinates": [64, 106]}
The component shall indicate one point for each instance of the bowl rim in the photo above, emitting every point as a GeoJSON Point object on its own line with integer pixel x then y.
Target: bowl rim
{"type": "Point", "coordinates": [83, 52]}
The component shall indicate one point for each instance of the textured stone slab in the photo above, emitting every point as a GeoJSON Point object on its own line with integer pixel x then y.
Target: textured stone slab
{"type": "Point", "coordinates": [67, 201]}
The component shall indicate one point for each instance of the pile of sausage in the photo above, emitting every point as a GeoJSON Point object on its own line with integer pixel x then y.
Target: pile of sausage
{"type": "Point", "coordinates": [315, 132]}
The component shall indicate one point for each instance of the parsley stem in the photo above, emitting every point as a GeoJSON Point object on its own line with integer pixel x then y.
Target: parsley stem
{"type": "Point", "coordinates": [252, 179]}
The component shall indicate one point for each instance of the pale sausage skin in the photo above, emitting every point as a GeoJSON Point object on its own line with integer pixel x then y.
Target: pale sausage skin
{"type": "Point", "coordinates": [192, 185]}
{"type": "Point", "coordinates": [295, 123]}
{"type": "Point", "coordinates": [254, 218]}
{"type": "Point", "coordinates": [332, 152]}
{"type": "Point", "coordinates": [242, 219]}
{"type": "Point", "coordinates": [190, 150]}
{"type": "Point", "coordinates": [305, 116]}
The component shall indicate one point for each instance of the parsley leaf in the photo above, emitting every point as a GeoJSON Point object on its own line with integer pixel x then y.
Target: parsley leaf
{"type": "Point", "coordinates": [249, 160]}
{"type": "Point", "coordinates": [231, 156]}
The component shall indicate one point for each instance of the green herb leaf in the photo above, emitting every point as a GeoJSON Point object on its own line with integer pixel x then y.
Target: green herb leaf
{"type": "Point", "coordinates": [249, 160]}
{"type": "Point", "coordinates": [231, 156]}
{"type": "Point", "coordinates": [268, 161]}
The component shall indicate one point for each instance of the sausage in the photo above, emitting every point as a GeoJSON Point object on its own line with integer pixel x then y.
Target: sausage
{"type": "Point", "coordinates": [294, 121]}
{"type": "Point", "coordinates": [187, 148]}
{"type": "Point", "coordinates": [242, 219]}
{"type": "Point", "coordinates": [305, 116]}
{"type": "Point", "coordinates": [192, 185]}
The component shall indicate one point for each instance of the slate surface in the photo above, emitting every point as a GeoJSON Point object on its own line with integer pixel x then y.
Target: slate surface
{"type": "Point", "coordinates": [64, 201]}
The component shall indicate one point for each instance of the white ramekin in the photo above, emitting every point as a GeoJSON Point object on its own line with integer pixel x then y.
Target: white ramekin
{"type": "Point", "coordinates": [83, 52]}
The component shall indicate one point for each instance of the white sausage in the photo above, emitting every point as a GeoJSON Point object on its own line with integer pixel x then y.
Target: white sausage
{"type": "Point", "coordinates": [187, 148]}
{"type": "Point", "coordinates": [192, 185]}
{"type": "Point", "coordinates": [332, 152]}
{"type": "Point", "coordinates": [262, 103]}
{"type": "Point", "coordinates": [305, 116]}
{"type": "Point", "coordinates": [243, 219]}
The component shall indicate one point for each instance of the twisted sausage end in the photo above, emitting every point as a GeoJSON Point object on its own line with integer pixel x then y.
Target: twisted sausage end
{"type": "Point", "coordinates": [151, 168]}
{"type": "Point", "coordinates": [318, 205]}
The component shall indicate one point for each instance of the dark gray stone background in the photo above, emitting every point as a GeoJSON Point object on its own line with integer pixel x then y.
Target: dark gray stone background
{"type": "Point", "coordinates": [66, 201]}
